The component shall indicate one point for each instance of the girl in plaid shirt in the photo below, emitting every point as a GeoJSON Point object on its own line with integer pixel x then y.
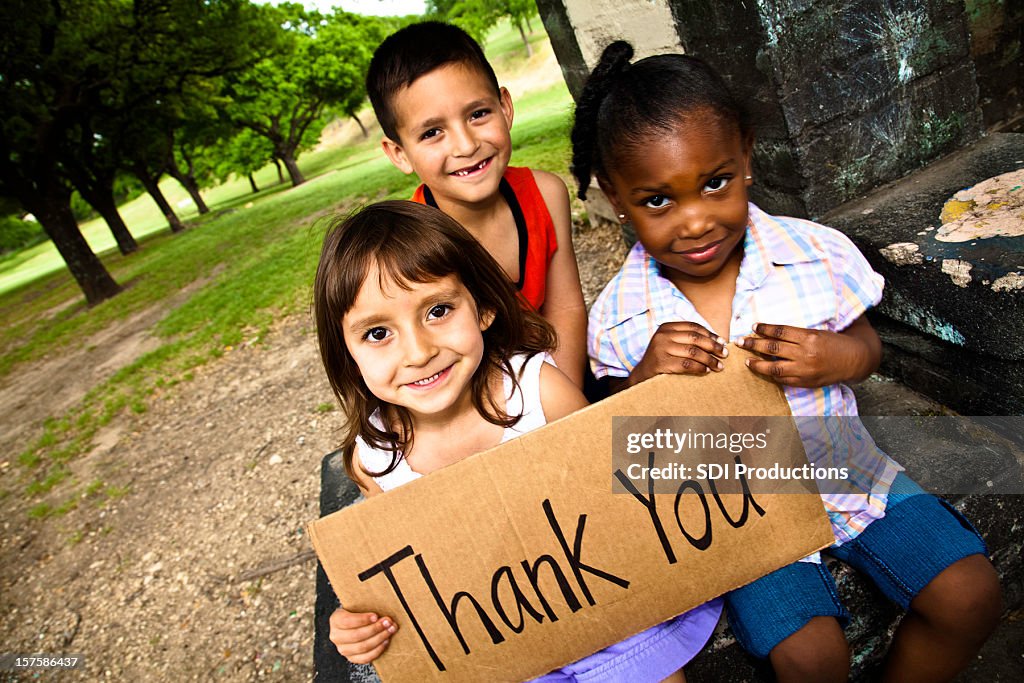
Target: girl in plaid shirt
{"type": "Point", "coordinates": [671, 148]}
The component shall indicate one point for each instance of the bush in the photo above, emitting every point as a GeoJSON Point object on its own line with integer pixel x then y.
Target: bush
{"type": "Point", "coordinates": [16, 233]}
{"type": "Point", "coordinates": [82, 209]}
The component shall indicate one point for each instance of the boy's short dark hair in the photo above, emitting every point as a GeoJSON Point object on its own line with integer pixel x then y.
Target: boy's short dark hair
{"type": "Point", "coordinates": [415, 51]}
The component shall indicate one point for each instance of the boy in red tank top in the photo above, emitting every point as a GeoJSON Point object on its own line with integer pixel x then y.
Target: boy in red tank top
{"type": "Point", "coordinates": [446, 119]}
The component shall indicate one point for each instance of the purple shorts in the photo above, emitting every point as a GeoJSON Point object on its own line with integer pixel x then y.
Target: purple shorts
{"type": "Point", "coordinates": [649, 656]}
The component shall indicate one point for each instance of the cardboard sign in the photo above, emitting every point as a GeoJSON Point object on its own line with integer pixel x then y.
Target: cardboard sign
{"type": "Point", "coordinates": [520, 559]}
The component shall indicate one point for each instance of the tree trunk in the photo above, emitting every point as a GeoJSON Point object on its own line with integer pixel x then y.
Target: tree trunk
{"type": "Point", "coordinates": [188, 181]}
{"type": "Point", "coordinates": [280, 176]}
{"type": "Point", "coordinates": [293, 169]}
{"type": "Point", "coordinates": [153, 188]}
{"type": "Point", "coordinates": [526, 41]}
{"type": "Point", "coordinates": [98, 190]}
{"type": "Point", "coordinates": [39, 189]}
{"type": "Point", "coordinates": [366, 133]}
{"type": "Point", "coordinates": [528, 26]}
{"type": "Point", "coordinates": [107, 208]}
{"type": "Point", "coordinates": [53, 210]}
{"type": "Point", "coordinates": [252, 184]}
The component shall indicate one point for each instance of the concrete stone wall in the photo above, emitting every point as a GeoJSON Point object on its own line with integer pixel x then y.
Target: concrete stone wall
{"type": "Point", "coordinates": [580, 30]}
{"type": "Point", "coordinates": [846, 94]}
{"type": "Point", "coordinates": [647, 25]}
{"type": "Point", "coordinates": [997, 47]}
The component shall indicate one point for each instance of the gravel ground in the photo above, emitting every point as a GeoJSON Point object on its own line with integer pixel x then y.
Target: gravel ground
{"type": "Point", "coordinates": [202, 570]}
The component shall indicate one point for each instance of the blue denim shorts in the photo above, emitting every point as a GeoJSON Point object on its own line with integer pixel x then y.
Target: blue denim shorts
{"type": "Point", "coordinates": [919, 537]}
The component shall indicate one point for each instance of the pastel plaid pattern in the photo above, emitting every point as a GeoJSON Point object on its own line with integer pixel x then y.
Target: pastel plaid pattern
{"type": "Point", "coordinates": [794, 272]}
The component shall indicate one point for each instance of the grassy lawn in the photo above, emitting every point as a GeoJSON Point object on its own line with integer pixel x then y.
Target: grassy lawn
{"type": "Point", "coordinates": [249, 261]}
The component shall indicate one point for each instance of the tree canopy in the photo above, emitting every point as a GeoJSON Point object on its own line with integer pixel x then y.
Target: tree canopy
{"type": "Point", "coordinates": [75, 73]}
{"type": "Point", "coordinates": [92, 89]}
{"type": "Point", "coordinates": [315, 62]}
{"type": "Point", "coordinates": [477, 17]}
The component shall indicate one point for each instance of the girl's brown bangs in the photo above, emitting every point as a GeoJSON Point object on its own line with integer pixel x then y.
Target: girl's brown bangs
{"type": "Point", "coordinates": [418, 259]}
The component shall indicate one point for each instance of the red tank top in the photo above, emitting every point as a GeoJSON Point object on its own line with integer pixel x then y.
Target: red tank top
{"type": "Point", "coordinates": [537, 241]}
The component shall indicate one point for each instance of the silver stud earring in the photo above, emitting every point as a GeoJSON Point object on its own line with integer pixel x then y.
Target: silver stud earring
{"type": "Point", "coordinates": [748, 177]}
{"type": "Point", "coordinates": [622, 216]}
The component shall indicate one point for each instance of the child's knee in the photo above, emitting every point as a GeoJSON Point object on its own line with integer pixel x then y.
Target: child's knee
{"type": "Point", "coordinates": [964, 598]}
{"type": "Point", "coordinates": [816, 652]}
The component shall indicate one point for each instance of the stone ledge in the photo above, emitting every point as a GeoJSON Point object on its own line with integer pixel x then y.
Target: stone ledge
{"type": "Point", "coordinates": [965, 300]}
{"type": "Point", "coordinates": [948, 290]}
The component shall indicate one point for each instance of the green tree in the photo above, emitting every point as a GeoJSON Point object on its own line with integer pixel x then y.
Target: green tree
{"type": "Point", "coordinates": [190, 161]}
{"type": "Point", "coordinates": [73, 74]}
{"type": "Point", "coordinates": [475, 17]}
{"type": "Point", "coordinates": [147, 141]}
{"type": "Point", "coordinates": [242, 155]}
{"type": "Point", "coordinates": [51, 74]}
{"type": "Point", "coordinates": [92, 167]}
{"type": "Point", "coordinates": [519, 13]}
{"type": "Point", "coordinates": [478, 17]}
{"type": "Point", "coordinates": [175, 114]}
{"type": "Point", "coordinates": [353, 39]}
{"type": "Point", "coordinates": [317, 62]}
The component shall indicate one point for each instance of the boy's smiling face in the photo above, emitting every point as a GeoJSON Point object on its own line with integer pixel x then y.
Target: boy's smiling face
{"type": "Point", "coordinates": [453, 131]}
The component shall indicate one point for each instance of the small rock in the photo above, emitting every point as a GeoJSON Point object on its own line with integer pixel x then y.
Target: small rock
{"type": "Point", "coordinates": [903, 254]}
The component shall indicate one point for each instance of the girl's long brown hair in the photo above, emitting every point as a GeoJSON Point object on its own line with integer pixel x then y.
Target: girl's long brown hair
{"type": "Point", "coordinates": [413, 243]}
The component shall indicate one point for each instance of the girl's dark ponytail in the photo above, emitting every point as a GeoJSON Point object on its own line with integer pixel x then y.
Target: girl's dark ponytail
{"type": "Point", "coordinates": [585, 157]}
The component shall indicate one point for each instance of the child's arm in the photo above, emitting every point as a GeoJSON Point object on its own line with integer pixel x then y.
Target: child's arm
{"type": "Point", "coordinates": [558, 395]}
{"type": "Point", "coordinates": [677, 348]}
{"type": "Point", "coordinates": [361, 637]}
{"type": "Point", "coordinates": [563, 299]}
{"type": "Point", "coordinates": [815, 358]}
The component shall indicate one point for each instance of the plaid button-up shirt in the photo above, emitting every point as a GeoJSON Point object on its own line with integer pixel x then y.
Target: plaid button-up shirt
{"type": "Point", "coordinates": [794, 272]}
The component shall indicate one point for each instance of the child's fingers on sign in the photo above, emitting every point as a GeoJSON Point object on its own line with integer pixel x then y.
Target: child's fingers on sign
{"type": "Point", "coordinates": [773, 340]}
{"type": "Point", "coordinates": [368, 650]}
{"type": "Point", "coordinates": [370, 656]}
{"type": "Point", "coordinates": [360, 637]}
{"type": "Point", "coordinates": [683, 332]}
{"type": "Point", "coordinates": [688, 348]}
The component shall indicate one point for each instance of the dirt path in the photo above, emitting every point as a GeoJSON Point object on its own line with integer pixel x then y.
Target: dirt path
{"type": "Point", "coordinates": [222, 472]}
